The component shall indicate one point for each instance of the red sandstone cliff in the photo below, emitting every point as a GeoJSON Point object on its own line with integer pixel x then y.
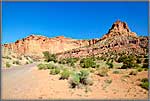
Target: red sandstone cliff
{"type": "Point", "coordinates": [118, 38]}
{"type": "Point", "coordinates": [34, 45]}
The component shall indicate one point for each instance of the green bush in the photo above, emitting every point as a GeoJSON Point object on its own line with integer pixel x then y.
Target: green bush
{"type": "Point", "coordinates": [8, 64]}
{"type": "Point", "coordinates": [139, 60]}
{"type": "Point", "coordinates": [144, 83]}
{"type": "Point", "coordinates": [145, 65]}
{"type": "Point", "coordinates": [108, 81]}
{"type": "Point", "coordinates": [116, 72]}
{"type": "Point", "coordinates": [93, 58]}
{"type": "Point", "coordinates": [55, 71]}
{"type": "Point", "coordinates": [139, 69]}
{"type": "Point", "coordinates": [27, 62]}
{"type": "Point", "coordinates": [71, 61]}
{"type": "Point", "coordinates": [7, 57]}
{"type": "Point", "coordinates": [87, 62]}
{"type": "Point", "coordinates": [31, 61]}
{"type": "Point", "coordinates": [81, 78]}
{"type": "Point", "coordinates": [122, 58]}
{"type": "Point", "coordinates": [75, 80]}
{"type": "Point", "coordinates": [146, 60]}
{"type": "Point", "coordinates": [41, 66]}
{"type": "Point", "coordinates": [146, 56]}
{"type": "Point", "coordinates": [129, 62]}
{"type": "Point", "coordinates": [110, 64]}
{"type": "Point", "coordinates": [50, 66]}
{"type": "Point", "coordinates": [103, 71]}
{"type": "Point", "coordinates": [84, 78]}
{"type": "Point", "coordinates": [133, 72]}
{"type": "Point", "coordinates": [65, 74]}
{"type": "Point", "coordinates": [62, 61]}
{"type": "Point", "coordinates": [16, 62]}
{"type": "Point", "coordinates": [92, 70]}
{"type": "Point", "coordinates": [99, 58]}
{"type": "Point", "coordinates": [49, 57]}
{"type": "Point", "coordinates": [45, 66]}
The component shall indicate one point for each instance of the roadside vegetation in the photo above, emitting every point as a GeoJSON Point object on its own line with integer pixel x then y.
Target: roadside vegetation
{"type": "Point", "coordinates": [12, 59]}
{"type": "Point", "coordinates": [78, 71]}
{"type": "Point", "coordinates": [144, 83]}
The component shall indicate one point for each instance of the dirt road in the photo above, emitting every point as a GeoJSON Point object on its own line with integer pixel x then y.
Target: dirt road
{"type": "Point", "coordinates": [14, 79]}
{"type": "Point", "coordinates": [27, 82]}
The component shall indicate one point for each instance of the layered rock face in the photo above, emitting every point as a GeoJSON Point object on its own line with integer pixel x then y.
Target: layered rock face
{"type": "Point", "coordinates": [34, 45]}
{"type": "Point", "coordinates": [118, 39]}
{"type": "Point", "coordinates": [119, 29]}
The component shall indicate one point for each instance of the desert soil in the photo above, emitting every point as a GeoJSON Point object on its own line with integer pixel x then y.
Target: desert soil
{"type": "Point", "coordinates": [27, 82]}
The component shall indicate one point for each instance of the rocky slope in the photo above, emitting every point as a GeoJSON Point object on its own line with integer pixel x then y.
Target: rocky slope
{"type": "Point", "coordinates": [34, 45]}
{"type": "Point", "coordinates": [119, 38]}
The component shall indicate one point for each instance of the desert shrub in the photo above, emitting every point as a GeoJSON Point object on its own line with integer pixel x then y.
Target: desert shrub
{"type": "Point", "coordinates": [108, 81]}
{"type": "Point", "coordinates": [133, 72]}
{"type": "Point", "coordinates": [116, 72]}
{"type": "Point", "coordinates": [99, 58]}
{"type": "Point", "coordinates": [31, 61]}
{"type": "Point", "coordinates": [16, 62]}
{"type": "Point", "coordinates": [146, 60]}
{"type": "Point", "coordinates": [103, 71]}
{"type": "Point", "coordinates": [145, 65]}
{"type": "Point", "coordinates": [139, 60]}
{"type": "Point", "coordinates": [75, 80]}
{"type": "Point", "coordinates": [62, 61]}
{"type": "Point", "coordinates": [129, 62]}
{"type": "Point", "coordinates": [136, 65]}
{"type": "Point", "coordinates": [7, 57]}
{"type": "Point", "coordinates": [41, 66]}
{"type": "Point", "coordinates": [45, 66]}
{"type": "Point", "coordinates": [50, 66]}
{"type": "Point", "coordinates": [110, 64]}
{"type": "Point", "coordinates": [49, 57]}
{"type": "Point", "coordinates": [87, 62]}
{"type": "Point", "coordinates": [122, 58]}
{"type": "Point", "coordinates": [71, 61]}
{"type": "Point", "coordinates": [93, 58]}
{"type": "Point", "coordinates": [83, 76]}
{"type": "Point", "coordinates": [145, 56]}
{"type": "Point", "coordinates": [139, 69]}
{"type": "Point", "coordinates": [27, 62]}
{"type": "Point", "coordinates": [80, 78]}
{"type": "Point", "coordinates": [104, 59]}
{"type": "Point", "coordinates": [144, 83]}
{"type": "Point", "coordinates": [65, 74]}
{"type": "Point", "coordinates": [55, 71]}
{"type": "Point", "coordinates": [97, 66]}
{"type": "Point", "coordinates": [88, 81]}
{"type": "Point", "coordinates": [92, 70]}
{"type": "Point", "coordinates": [8, 64]}
{"type": "Point", "coordinates": [108, 60]}
{"type": "Point", "coordinates": [20, 58]}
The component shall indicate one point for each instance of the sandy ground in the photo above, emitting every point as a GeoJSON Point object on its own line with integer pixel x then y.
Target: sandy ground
{"type": "Point", "coordinates": [27, 82]}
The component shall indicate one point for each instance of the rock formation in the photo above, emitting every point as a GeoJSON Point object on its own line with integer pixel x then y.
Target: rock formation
{"type": "Point", "coordinates": [119, 29]}
{"type": "Point", "coordinates": [34, 45]}
{"type": "Point", "coordinates": [119, 38]}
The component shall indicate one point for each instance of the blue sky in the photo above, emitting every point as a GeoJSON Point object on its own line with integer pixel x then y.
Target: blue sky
{"type": "Point", "coordinates": [79, 20]}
